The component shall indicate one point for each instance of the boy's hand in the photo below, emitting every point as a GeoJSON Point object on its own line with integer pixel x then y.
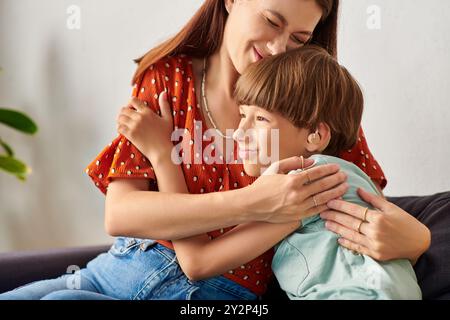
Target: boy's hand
{"type": "Point", "coordinates": [148, 131]}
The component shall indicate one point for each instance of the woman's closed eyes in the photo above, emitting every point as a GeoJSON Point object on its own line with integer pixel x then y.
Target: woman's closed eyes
{"type": "Point", "coordinates": [274, 25]}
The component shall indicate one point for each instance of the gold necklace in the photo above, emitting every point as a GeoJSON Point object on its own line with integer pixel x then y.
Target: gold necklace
{"type": "Point", "coordinates": [205, 103]}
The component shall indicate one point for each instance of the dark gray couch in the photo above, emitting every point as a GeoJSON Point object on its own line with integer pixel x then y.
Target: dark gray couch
{"type": "Point", "coordinates": [20, 268]}
{"type": "Point", "coordinates": [432, 269]}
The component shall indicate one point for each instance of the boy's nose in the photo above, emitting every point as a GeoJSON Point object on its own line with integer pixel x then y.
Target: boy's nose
{"type": "Point", "coordinates": [244, 125]}
{"type": "Point", "coordinates": [238, 135]}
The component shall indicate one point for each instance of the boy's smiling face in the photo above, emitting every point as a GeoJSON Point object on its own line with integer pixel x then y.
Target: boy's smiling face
{"type": "Point", "coordinates": [265, 137]}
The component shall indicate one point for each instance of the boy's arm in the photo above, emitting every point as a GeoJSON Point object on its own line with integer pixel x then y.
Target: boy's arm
{"type": "Point", "coordinates": [200, 258]}
{"type": "Point", "coordinates": [170, 179]}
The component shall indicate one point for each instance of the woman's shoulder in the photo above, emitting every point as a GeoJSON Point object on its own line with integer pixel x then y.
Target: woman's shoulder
{"type": "Point", "coordinates": [166, 74]}
{"type": "Point", "coordinates": [171, 64]}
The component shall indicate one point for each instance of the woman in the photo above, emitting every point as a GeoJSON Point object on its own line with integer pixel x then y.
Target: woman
{"type": "Point", "coordinates": [230, 35]}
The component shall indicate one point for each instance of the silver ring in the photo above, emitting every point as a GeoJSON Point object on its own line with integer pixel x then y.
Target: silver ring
{"type": "Point", "coordinates": [359, 226]}
{"type": "Point", "coordinates": [365, 214]}
{"type": "Point", "coordinates": [309, 179]}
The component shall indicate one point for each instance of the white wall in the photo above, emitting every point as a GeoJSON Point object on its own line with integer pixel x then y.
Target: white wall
{"type": "Point", "coordinates": [404, 69]}
{"type": "Point", "coordinates": [73, 83]}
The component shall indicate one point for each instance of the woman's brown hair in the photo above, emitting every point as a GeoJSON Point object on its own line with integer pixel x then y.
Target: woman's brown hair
{"type": "Point", "coordinates": [203, 34]}
{"type": "Point", "coordinates": [307, 86]}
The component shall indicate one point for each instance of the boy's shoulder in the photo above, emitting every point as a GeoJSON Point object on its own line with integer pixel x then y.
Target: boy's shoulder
{"type": "Point", "coordinates": [348, 167]}
{"type": "Point", "coordinates": [321, 159]}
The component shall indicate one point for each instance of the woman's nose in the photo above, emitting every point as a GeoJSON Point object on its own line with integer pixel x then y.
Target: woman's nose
{"type": "Point", "coordinates": [278, 45]}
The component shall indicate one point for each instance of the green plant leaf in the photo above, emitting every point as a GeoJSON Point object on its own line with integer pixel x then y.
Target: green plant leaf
{"type": "Point", "coordinates": [9, 151]}
{"type": "Point", "coordinates": [18, 120]}
{"type": "Point", "coordinates": [15, 167]}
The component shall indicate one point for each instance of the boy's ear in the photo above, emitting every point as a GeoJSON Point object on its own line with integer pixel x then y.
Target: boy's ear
{"type": "Point", "coordinates": [318, 140]}
{"type": "Point", "coordinates": [229, 5]}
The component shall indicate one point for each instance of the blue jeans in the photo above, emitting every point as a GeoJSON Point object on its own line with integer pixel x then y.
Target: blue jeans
{"type": "Point", "coordinates": [133, 269]}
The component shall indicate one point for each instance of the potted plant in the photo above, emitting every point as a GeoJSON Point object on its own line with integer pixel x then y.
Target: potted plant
{"type": "Point", "coordinates": [19, 121]}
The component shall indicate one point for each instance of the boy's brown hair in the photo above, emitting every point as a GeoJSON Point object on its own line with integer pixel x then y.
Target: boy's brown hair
{"type": "Point", "coordinates": [306, 86]}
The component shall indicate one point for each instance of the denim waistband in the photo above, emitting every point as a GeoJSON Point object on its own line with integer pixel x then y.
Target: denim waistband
{"type": "Point", "coordinates": [219, 282]}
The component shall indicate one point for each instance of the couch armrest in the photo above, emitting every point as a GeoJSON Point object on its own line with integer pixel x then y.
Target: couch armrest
{"type": "Point", "coordinates": [20, 268]}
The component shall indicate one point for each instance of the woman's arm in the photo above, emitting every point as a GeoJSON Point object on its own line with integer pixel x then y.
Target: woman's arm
{"type": "Point", "coordinates": [131, 210]}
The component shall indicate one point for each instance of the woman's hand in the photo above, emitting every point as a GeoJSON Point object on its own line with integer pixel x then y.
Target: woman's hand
{"type": "Point", "coordinates": [388, 232]}
{"type": "Point", "coordinates": [149, 132]}
{"type": "Point", "coordinates": [279, 198]}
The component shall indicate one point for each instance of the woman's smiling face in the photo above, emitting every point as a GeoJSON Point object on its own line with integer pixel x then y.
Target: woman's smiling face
{"type": "Point", "coordinates": [259, 28]}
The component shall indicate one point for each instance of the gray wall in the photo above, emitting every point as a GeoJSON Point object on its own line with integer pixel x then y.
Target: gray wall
{"type": "Point", "coordinates": [73, 83]}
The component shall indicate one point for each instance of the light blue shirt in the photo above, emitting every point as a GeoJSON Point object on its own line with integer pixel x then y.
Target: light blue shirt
{"type": "Point", "coordinates": [310, 263]}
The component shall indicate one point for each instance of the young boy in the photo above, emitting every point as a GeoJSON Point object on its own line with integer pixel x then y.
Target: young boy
{"type": "Point", "coordinates": [315, 106]}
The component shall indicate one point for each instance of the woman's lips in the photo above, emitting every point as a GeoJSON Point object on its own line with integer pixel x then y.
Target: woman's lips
{"type": "Point", "coordinates": [258, 56]}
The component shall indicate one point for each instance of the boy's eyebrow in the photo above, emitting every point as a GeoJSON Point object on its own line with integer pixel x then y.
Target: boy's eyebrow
{"type": "Point", "coordinates": [283, 19]}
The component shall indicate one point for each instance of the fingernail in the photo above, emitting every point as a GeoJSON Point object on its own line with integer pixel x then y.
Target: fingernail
{"type": "Point", "coordinates": [309, 163]}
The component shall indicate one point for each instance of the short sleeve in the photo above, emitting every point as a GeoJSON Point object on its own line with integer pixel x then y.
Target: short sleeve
{"type": "Point", "coordinates": [361, 156]}
{"type": "Point", "coordinates": [121, 159]}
